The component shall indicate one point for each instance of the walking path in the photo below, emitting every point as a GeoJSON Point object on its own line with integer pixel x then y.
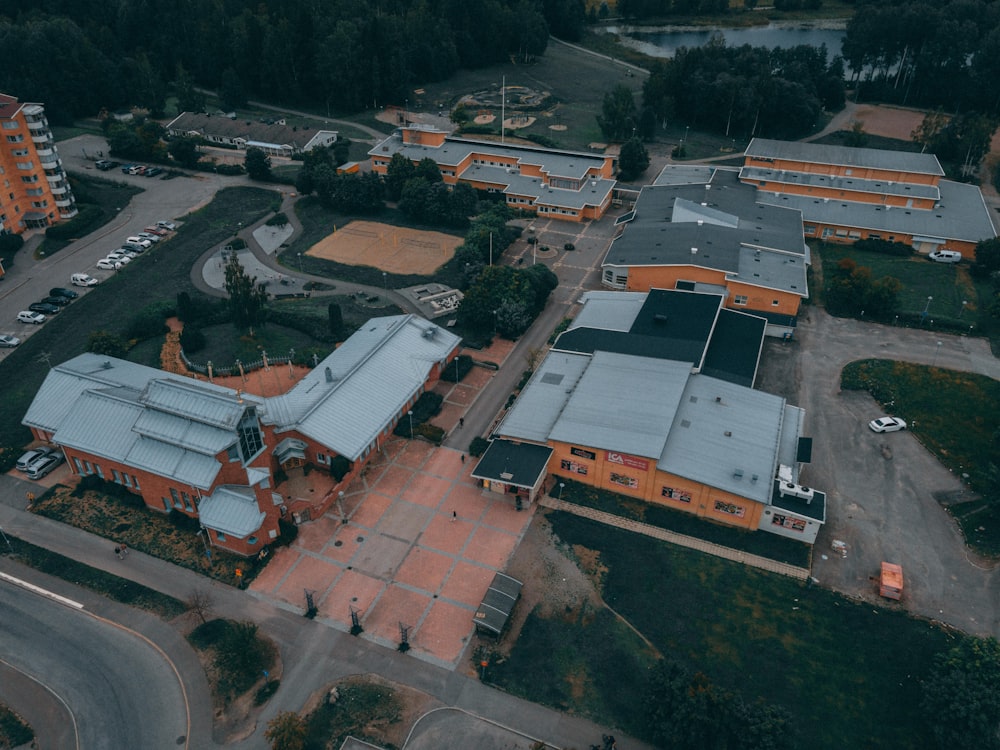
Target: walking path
{"type": "Point", "coordinates": [754, 561]}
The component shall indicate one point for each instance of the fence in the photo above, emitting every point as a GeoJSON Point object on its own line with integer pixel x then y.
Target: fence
{"type": "Point", "coordinates": [234, 369]}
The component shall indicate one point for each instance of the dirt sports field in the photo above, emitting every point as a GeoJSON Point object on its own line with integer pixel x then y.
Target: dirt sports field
{"type": "Point", "coordinates": [388, 248]}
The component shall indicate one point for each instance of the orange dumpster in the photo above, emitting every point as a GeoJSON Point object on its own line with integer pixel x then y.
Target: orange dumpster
{"type": "Point", "coordinates": [891, 581]}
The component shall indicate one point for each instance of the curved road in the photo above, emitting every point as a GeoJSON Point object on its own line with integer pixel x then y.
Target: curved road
{"type": "Point", "coordinates": [116, 687]}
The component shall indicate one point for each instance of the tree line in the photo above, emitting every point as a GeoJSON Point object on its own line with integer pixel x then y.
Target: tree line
{"type": "Point", "coordinates": [81, 56]}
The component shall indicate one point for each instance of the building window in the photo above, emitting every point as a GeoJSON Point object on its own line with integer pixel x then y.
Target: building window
{"type": "Point", "coordinates": [674, 494]}
{"type": "Point", "coordinates": [15, 138]}
{"type": "Point", "coordinates": [166, 504]}
{"type": "Point", "coordinates": [86, 467]}
{"type": "Point", "coordinates": [220, 536]}
{"type": "Point", "coordinates": [187, 502]}
{"type": "Point", "coordinates": [79, 468]}
{"type": "Point", "coordinates": [135, 481]}
{"type": "Point", "coordinates": [176, 498]}
{"type": "Point", "coordinates": [322, 458]}
{"type": "Point", "coordinates": [730, 509]}
{"type": "Point", "coordinates": [741, 299]}
{"type": "Point", "coordinates": [116, 476]}
{"type": "Point", "coordinates": [252, 541]}
{"type": "Point", "coordinates": [11, 125]}
{"type": "Point", "coordinates": [774, 303]}
{"type": "Point", "coordinates": [251, 441]}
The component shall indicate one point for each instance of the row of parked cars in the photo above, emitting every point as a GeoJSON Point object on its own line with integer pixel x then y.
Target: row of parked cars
{"type": "Point", "coordinates": [39, 462]}
{"type": "Point", "coordinates": [135, 245]}
{"type": "Point", "coordinates": [38, 312]}
{"type": "Point", "coordinates": [141, 169]}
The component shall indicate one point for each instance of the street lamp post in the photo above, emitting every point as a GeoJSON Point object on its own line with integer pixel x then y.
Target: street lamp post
{"type": "Point", "coordinates": [300, 262]}
{"type": "Point", "coordinates": [561, 485]}
{"type": "Point", "coordinates": [340, 506]}
{"type": "Point", "coordinates": [962, 308]}
{"type": "Point", "coordinates": [927, 307]}
{"type": "Point", "coordinates": [385, 282]}
{"type": "Point", "coordinates": [937, 350]}
{"type": "Point", "coordinates": [410, 415]}
{"type": "Point", "coordinates": [496, 323]}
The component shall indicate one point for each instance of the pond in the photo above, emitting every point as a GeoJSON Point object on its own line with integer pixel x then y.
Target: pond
{"type": "Point", "coordinates": [664, 41]}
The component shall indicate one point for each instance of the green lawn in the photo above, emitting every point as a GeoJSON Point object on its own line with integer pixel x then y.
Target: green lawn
{"type": "Point", "coordinates": [947, 284]}
{"type": "Point", "coordinates": [849, 673]}
{"type": "Point", "coordinates": [224, 345]}
{"type": "Point", "coordinates": [154, 277]}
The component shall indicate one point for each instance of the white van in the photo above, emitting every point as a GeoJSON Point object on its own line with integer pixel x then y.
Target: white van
{"type": "Point", "coordinates": [82, 279]}
{"type": "Point", "coordinates": [946, 256]}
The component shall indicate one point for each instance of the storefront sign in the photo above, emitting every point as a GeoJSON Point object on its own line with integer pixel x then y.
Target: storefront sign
{"type": "Point", "coordinates": [583, 453]}
{"type": "Point", "coordinates": [625, 460]}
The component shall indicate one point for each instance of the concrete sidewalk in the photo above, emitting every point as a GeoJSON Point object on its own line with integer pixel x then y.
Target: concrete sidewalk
{"type": "Point", "coordinates": [313, 654]}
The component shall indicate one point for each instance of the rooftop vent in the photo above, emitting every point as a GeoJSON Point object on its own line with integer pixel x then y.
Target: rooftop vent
{"type": "Point", "coordinates": [506, 476]}
{"type": "Point", "coordinates": [718, 399]}
{"type": "Point", "coordinates": [727, 433]}
{"type": "Point", "coordinates": [700, 222]}
{"type": "Point", "coordinates": [329, 375]}
{"type": "Point", "coordinates": [429, 332]}
{"type": "Point", "coordinates": [694, 251]}
{"type": "Point", "coordinates": [738, 474]}
{"type": "Point", "coordinates": [659, 318]}
{"type": "Point", "coordinates": [107, 364]}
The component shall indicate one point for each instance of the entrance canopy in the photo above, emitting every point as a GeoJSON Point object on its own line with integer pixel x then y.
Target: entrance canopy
{"type": "Point", "coordinates": [517, 464]}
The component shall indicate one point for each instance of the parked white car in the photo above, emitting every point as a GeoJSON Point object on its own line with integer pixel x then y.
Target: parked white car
{"type": "Point", "coordinates": [154, 238]}
{"type": "Point", "coordinates": [109, 264]}
{"type": "Point", "coordinates": [945, 256]}
{"type": "Point", "coordinates": [166, 225]}
{"type": "Point", "coordinates": [26, 316]}
{"type": "Point", "coordinates": [82, 279]}
{"type": "Point", "coordinates": [137, 240]}
{"type": "Point", "coordinates": [887, 424]}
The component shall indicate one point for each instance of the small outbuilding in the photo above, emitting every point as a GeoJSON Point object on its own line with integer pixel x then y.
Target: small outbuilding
{"type": "Point", "coordinates": [493, 614]}
{"type": "Point", "coordinates": [891, 581]}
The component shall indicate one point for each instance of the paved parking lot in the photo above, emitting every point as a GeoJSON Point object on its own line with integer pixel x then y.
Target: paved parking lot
{"type": "Point", "coordinates": [882, 489]}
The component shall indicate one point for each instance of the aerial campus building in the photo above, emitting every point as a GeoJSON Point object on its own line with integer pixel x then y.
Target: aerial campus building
{"type": "Point", "coordinates": [36, 192]}
{"type": "Point", "coordinates": [555, 184]}
{"type": "Point", "coordinates": [644, 397]}
{"type": "Point", "coordinates": [229, 458]}
{"type": "Point", "coordinates": [701, 229]}
{"type": "Point", "coordinates": [846, 194]}
{"type": "Point", "coordinates": [274, 137]}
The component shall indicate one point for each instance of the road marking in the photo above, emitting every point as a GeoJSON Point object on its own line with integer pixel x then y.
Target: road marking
{"type": "Point", "coordinates": [76, 733]}
{"type": "Point", "coordinates": [40, 591]}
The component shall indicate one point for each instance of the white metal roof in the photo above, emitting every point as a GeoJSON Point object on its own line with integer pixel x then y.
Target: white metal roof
{"type": "Point", "coordinates": [726, 436]}
{"type": "Point", "coordinates": [611, 311]}
{"type": "Point", "coordinates": [183, 432]}
{"type": "Point", "coordinates": [542, 400]}
{"type": "Point", "coordinates": [232, 510]}
{"type": "Point", "coordinates": [623, 403]}
{"type": "Point", "coordinates": [361, 388]}
{"type": "Point", "coordinates": [174, 462]}
{"type": "Point", "coordinates": [101, 423]}
{"type": "Point", "coordinates": [864, 158]}
{"type": "Point", "coordinates": [189, 399]}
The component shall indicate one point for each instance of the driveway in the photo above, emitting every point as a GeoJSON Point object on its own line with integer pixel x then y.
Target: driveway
{"type": "Point", "coordinates": [882, 489]}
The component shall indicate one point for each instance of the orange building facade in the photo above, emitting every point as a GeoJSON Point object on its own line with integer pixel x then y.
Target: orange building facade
{"type": "Point", "coordinates": [35, 189]}
{"type": "Point", "coordinates": [847, 194]}
{"type": "Point", "coordinates": [562, 185]}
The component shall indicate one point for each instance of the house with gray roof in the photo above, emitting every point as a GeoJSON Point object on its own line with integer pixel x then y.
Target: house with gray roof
{"type": "Point", "coordinates": [274, 137]}
{"type": "Point", "coordinates": [215, 453]}
{"type": "Point", "coordinates": [845, 194]}
{"type": "Point", "coordinates": [656, 429]}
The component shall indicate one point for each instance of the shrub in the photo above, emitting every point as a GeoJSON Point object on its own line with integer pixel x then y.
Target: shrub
{"type": "Point", "coordinates": [478, 447]}
{"type": "Point", "coordinates": [463, 363]}
{"type": "Point", "coordinates": [287, 533]}
{"type": "Point", "coordinates": [427, 406]}
{"type": "Point", "coordinates": [150, 321]}
{"type": "Point", "coordinates": [93, 483]}
{"type": "Point", "coordinates": [192, 340]}
{"type": "Point", "coordinates": [430, 432]}
{"type": "Point", "coordinates": [278, 220]}
{"type": "Point", "coordinates": [339, 466]}
{"type": "Point", "coordinates": [885, 247]}
{"type": "Point", "coordinates": [268, 689]}
{"type": "Point", "coordinates": [230, 170]}
{"type": "Point", "coordinates": [183, 521]}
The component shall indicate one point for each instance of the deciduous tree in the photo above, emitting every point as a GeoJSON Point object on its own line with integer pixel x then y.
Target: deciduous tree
{"type": "Point", "coordinates": [247, 298]}
{"type": "Point", "coordinates": [961, 696]}
{"type": "Point", "coordinates": [286, 731]}
{"type": "Point", "coordinates": [257, 164]}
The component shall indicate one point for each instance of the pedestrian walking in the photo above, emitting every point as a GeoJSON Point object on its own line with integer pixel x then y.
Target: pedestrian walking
{"type": "Point", "coordinates": [461, 421]}
{"type": "Point", "coordinates": [463, 458]}
{"type": "Point", "coordinates": [454, 515]}
{"type": "Point", "coordinates": [124, 550]}
{"type": "Point", "coordinates": [118, 552]}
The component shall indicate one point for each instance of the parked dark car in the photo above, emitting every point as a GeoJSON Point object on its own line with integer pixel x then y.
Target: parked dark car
{"type": "Point", "coordinates": [59, 291]}
{"type": "Point", "coordinates": [44, 308]}
{"type": "Point", "coordinates": [152, 172]}
{"type": "Point", "coordinates": [105, 164]}
{"type": "Point", "coordinates": [127, 168]}
{"type": "Point", "coordinates": [57, 301]}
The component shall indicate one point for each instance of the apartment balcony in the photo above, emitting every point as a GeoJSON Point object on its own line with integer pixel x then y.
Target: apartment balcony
{"type": "Point", "coordinates": [55, 178]}
{"type": "Point", "coordinates": [50, 162]}
{"type": "Point", "coordinates": [59, 189]}
{"type": "Point", "coordinates": [67, 209]}
{"type": "Point", "coordinates": [46, 153]}
{"type": "Point", "coordinates": [42, 138]}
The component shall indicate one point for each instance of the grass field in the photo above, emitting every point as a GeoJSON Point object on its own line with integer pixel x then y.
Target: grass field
{"type": "Point", "coordinates": [850, 674]}
{"type": "Point", "coordinates": [947, 284]}
{"type": "Point", "coordinates": [154, 277]}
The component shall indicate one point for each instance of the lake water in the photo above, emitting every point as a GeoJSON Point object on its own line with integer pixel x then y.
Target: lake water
{"type": "Point", "coordinates": [664, 41]}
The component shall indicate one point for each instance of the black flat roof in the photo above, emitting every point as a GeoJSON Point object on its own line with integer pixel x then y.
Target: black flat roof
{"type": "Point", "coordinates": [521, 464]}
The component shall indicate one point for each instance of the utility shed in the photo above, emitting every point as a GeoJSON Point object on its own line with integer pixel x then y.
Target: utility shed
{"type": "Point", "coordinates": [492, 616]}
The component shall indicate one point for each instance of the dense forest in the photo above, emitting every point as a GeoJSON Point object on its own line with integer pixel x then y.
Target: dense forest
{"type": "Point", "coordinates": [79, 56]}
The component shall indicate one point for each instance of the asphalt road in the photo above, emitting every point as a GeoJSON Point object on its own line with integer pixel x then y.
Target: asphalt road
{"type": "Point", "coordinates": [117, 690]}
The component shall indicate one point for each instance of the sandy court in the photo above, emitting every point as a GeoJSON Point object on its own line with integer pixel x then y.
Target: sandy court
{"type": "Point", "coordinates": [889, 122]}
{"type": "Point", "coordinates": [386, 247]}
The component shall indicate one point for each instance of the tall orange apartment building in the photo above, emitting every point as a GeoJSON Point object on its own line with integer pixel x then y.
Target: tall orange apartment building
{"type": "Point", "coordinates": [34, 189]}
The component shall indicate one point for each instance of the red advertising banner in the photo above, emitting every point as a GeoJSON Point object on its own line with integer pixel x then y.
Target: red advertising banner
{"type": "Point", "coordinates": [625, 460]}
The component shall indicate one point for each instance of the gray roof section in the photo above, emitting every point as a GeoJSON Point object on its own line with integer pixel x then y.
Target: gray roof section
{"type": "Point", "coordinates": [593, 193]}
{"type": "Point", "coordinates": [864, 158]}
{"type": "Point", "coordinates": [231, 510]}
{"type": "Point", "coordinates": [187, 399]}
{"type": "Point", "coordinates": [542, 400]}
{"type": "Point", "coordinates": [183, 432]}
{"type": "Point", "coordinates": [847, 184]}
{"type": "Point", "coordinates": [174, 462]}
{"type": "Point", "coordinates": [361, 388]}
{"type": "Point", "coordinates": [724, 435]}
{"type": "Point", "coordinates": [612, 311]}
{"type": "Point", "coordinates": [605, 412]}
{"type": "Point", "coordinates": [962, 214]}
{"type": "Point", "coordinates": [676, 174]}
{"type": "Point", "coordinates": [720, 226]}
{"type": "Point", "coordinates": [297, 138]}
{"type": "Point", "coordinates": [101, 423]}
